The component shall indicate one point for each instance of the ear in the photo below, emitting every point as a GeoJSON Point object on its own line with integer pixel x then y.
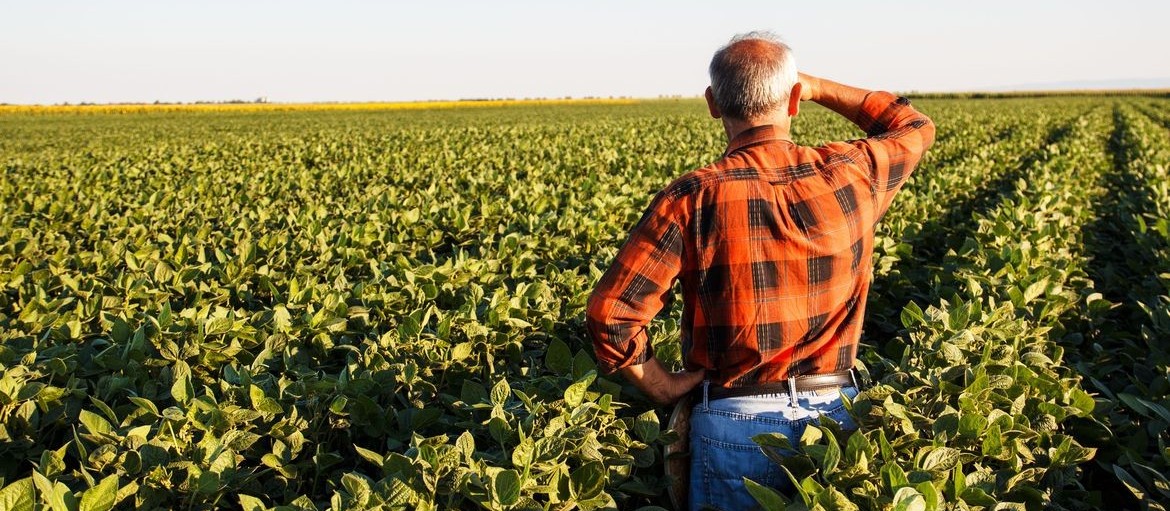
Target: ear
{"type": "Point", "coordinates": [794, 100]}
{"type": "Point", "coordinates": [711, 106]}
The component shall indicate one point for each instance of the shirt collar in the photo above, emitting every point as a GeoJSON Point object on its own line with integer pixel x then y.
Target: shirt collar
{"type": "Point", "coordinates": [755, 135]}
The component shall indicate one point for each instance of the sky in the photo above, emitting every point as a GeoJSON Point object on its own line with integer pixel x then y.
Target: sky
{"type": "Point", "coordinates": [56, 51]}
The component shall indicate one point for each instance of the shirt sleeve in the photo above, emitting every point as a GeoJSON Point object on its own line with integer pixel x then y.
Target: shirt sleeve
{"type": "Point", "coordinates": [635, 288]}
{"type": "Point", "coordinates": [897, 138]}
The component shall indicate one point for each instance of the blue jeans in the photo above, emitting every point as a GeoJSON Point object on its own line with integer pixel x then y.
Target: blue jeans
{"type": "Point", "coordinates": [722, 451]}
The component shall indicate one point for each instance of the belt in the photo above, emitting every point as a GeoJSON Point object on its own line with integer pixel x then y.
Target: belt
{"type": "Point", "coordinates": [801, 384]}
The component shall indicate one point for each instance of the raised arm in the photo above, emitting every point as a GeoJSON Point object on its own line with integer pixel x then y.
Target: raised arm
{"type": "Point", "coordinates": [840, 98]}
{"type": "Point", "coordinates": [897, 134]}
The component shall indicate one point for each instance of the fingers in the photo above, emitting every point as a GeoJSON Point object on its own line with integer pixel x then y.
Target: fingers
{"type": "Point", "coordinates": [808, 86]}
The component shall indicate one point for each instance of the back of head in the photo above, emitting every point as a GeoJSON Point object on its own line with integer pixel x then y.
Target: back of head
{"type": "Point", "coordinates": [752, 76]}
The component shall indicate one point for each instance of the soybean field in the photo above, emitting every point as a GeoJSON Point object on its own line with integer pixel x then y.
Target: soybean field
{"type": "Point", "coordinates": [384, 309]}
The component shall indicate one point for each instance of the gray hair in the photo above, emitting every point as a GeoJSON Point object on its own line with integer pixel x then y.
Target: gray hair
{"type": "Point", "coordinates": [752, 75]}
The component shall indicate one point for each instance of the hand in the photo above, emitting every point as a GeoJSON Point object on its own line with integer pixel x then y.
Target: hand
{"type": "Point", "coordinates": [808, 86]}
{"type": "Point", "coordinates": [687, 380]}
{"type": "Point", "coordinates": [658, 384]}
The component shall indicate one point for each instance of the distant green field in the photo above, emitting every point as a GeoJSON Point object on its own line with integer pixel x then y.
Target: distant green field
{"type": "Point", "coordinates": [384, 310]}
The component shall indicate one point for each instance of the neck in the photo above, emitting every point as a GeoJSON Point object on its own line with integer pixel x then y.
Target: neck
{"type": "Point", "coordinates": [733, 127]}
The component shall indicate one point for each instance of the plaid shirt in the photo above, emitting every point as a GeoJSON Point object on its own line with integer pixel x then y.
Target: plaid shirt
{"type": "Point", "coordinates": [772, 245]}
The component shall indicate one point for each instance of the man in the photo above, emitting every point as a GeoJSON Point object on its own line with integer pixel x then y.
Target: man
{"type": "Point", "coordinates": [772, 245]}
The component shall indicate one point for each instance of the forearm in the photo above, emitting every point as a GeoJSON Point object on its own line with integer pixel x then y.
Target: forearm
{"type": "Point", "coordinates": [661, 386]}
{"type": "Point", "coordinates": [840, 98]}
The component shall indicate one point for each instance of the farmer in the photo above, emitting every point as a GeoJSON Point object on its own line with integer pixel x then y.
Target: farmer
{"type": "Point", "coordinates": [772, 244]}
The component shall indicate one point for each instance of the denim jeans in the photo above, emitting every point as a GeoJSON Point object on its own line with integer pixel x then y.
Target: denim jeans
{"type": "Point", "coordinates": [722, 451]}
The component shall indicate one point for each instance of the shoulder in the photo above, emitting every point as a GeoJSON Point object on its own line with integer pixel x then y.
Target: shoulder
{"type": "Point", "coordinates": [706, 178]}
{"type": "Point", "coordinates": [799, 163]}
{"type": "Point", "coordinates": [834, 154]}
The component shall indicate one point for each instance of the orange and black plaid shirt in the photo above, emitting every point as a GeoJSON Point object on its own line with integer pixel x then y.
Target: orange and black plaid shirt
{"type": "Point", "coordinates": [772, 245]}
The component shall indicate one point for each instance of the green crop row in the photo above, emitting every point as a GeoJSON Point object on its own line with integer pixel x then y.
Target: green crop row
{"type": "Point", "coordinates": [973, 413]}
{"type": "Point", "coordinates": [384, 310]}
{"type": "Point", "coordinates": [1124, 353]}
{"type": "Point", "coordinates": [936, 209]}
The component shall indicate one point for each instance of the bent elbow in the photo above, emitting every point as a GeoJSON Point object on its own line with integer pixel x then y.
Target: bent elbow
{"type": "Point", "coordinates": [928, 130]}
{"type": "Point", "coordinates": [594, 309]}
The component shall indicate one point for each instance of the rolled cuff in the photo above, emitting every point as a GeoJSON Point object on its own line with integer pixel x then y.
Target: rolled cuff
{"type": "Point", "coordinates": [610, 358]}
{"type": "Point", "coordinates": [882, 112]}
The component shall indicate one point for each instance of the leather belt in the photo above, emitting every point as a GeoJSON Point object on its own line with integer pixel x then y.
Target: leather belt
{"type": "Point", "coordinates": [802, 383]}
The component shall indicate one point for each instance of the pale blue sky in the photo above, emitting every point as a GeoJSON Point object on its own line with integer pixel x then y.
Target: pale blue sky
{"type": "Point", "coordinates": [348, 50]}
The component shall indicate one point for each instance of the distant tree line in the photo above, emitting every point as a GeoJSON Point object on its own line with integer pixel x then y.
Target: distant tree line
{"type": "Point", "coordinates": [1155, 93]}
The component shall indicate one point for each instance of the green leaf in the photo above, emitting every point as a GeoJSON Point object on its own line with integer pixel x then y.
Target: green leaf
{"type": "Point", "coordinates": [858, 449]}
{"type": "Point", "coordinates": [18, 496]}
{"type": "Point", "coordinates": [56, 495]}
{"type": "Point", "coordinates": [646, 427]}
{"type": "Point", "coordinates": [767, 497]}
{"type": "Point", "coordinates": [971, 425]}
{"type": "Point", "coordinates": [908, 499]}
{"type": "Point", "coordinates": [369, 455]}
{"type": "Point", "coordinates": [1134, 403]}
{"type": "Point", "coordinates": [52, 462]}
{"type": "Point", "coordinates": [912, 315]}
{"type": "Point", "coordinates": [805, 496]}
{"type": "Point", "coordinates": [930, 495]}
{"type": "Point", "coordinates": [1035, 290]}
{"type": "Point", "coordinates": [894, 477]}
{"type": "Point", "coordinates": [958, 317]}
{"type": "Point", "coordinates": [105, 409]}
{"type": "Point", "coordinates": [575, 393]}
{"type": "Point", "coordinates": [461, 351]}
{"type": "Point", "coordinates": [1130, 482]}
{"type": "Point", "coordinates": [500, 392]}
{"type": "Point", "coordinates": [303, 503]}
{"type": "Point", "coordinates": [100, 497]}
{"type": "Point", "coordinates": [884, 446]}
{"type": "Point", "coordinates": [337, 407]}
{"type": "Point", "coordinates": [993, 442]}
{"type": "Point", "coordinates": [557, 357]}
{"type": "Point", "coordinates": [217, 326]}
{"type": "Point", "coordinates": [94, 423]}
{"type": "Point", "coordinates": [466, 444]}
{"type": "Point", "coordinates": [958, 482]}
{"type": "Point", "coordinates": [1027, 477]}
{"type": "Point", "coordinates": [776, 440]}
{"type": "Point", "coordinates": [582, 364]}
{"type": "Point", "coordinates": [833, 500]}
{"type": "Point", "coordinates": [1156, 408]}
{"type": "Point", "coordinates": [588, 481]}
{"type": "Point", "coordinates": [1082, 401]}
{"type": "Point", "coordinates": [357, 487]}
{"type": "Point", "coordinates": [145, 404]}
{"type": "Point", "coordinates": [250, 503]}
{"type": "Point", "coordinates": [281, 319]}
{"type": "Point", "coordinates": [500, 430]}
{"type": "Point", "coordinates": [976, 496]}
{"type": "Point", "coordinates": [940, 459]}
{"type": "Point", "coordinates": [182, 390]}
{"type": "Point", "coordinates": [832, 453]}
{"type": "Point", "coordinates": [811, 486]}
{"type": "Point", "coordinates": [506, 487]}
{"type": "Point", "coordinates": [164, 315]}
{"type": "Point", "coordinates": [811, 436]}
{"type": "Point", "coordinates": [472, 392]}
{"type": "Point", "coordinates": [523, 453]}
{"type": "Point", "coordinates": [409, 328]}
{"type": "Point", "coordinates": [121, 331]}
